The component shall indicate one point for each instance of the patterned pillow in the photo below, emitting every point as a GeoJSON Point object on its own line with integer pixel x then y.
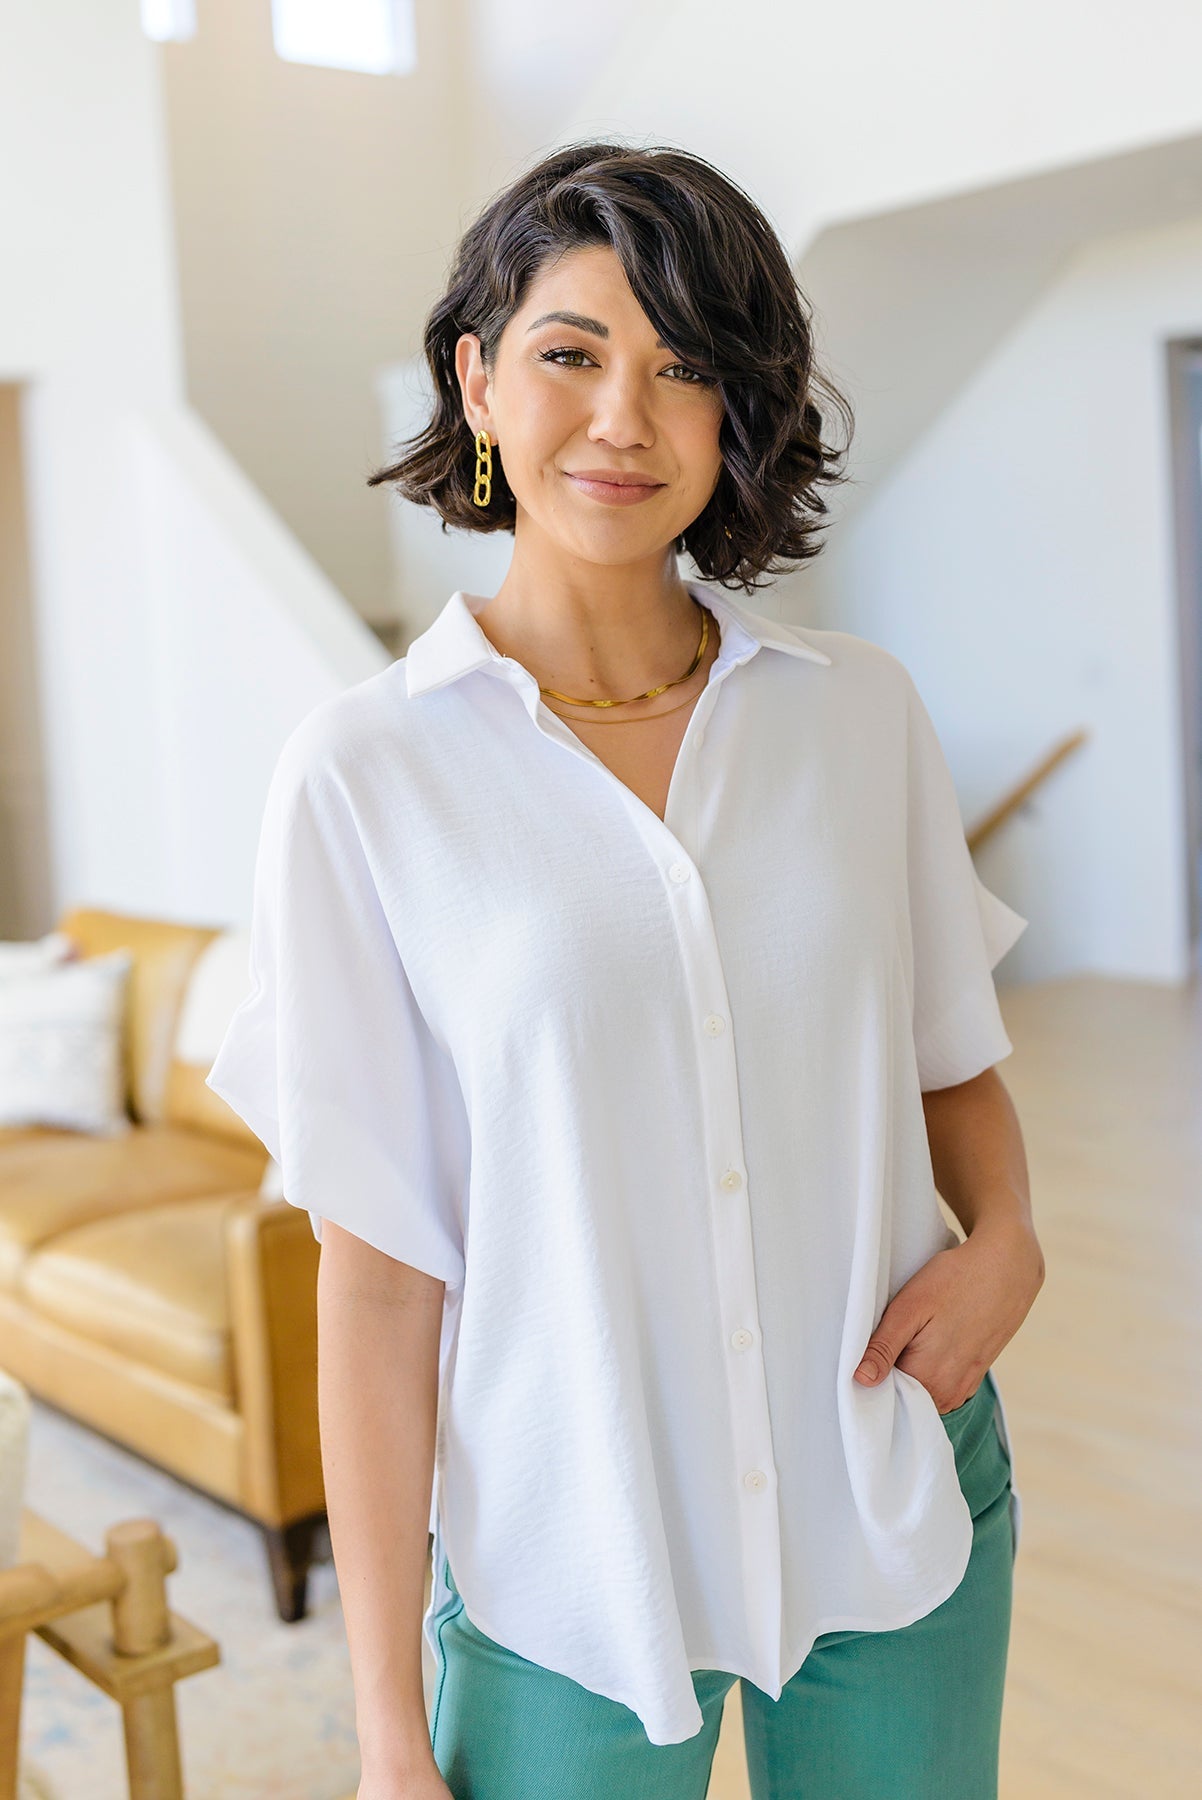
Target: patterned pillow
{"type": "Point", "coordinates": [61, 1046]}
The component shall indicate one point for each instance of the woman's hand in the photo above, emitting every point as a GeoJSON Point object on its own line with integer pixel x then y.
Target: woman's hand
{"type": "Point", "coordinates": [950, 1321]}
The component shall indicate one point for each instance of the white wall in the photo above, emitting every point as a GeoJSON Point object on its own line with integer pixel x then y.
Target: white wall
{"type": "Point", "coordinates": [314, 209]}
{"type": "Point", "coordinates": [86, 258]}
{"type": "Point", "coordinates": [530, 63]}
{"type": "Point", "coordinates": [87, 325]}
{"type": "Point", "coordinates": [243, 635]}
{"type": "Point", "coordinates": [184, 632]}
{"type": "Point", "coordinates": [177, 632]}
{"type": "Point", "coordinates": [825, 112]}
{"type": "Point", "coordinates": [1020, 562]}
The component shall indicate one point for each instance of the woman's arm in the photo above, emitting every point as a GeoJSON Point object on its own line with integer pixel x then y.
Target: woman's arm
{"type": "Point", "coordinates": [977, 1155]}
{"type": "Point", "coordinates": [951, 1319]}
{"type": "Point", "coordinates": [378, 1327]}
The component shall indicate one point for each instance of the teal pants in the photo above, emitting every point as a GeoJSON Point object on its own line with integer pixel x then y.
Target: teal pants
{"type": "Point", "coordinates": [909, 1714]}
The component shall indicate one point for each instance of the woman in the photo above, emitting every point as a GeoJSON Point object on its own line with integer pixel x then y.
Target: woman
{"type": "Point", "coordinates": [621, 992]}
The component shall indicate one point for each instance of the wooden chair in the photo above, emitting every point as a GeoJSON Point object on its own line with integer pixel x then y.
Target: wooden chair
{"type": "Point", "coordinates": [108, 1615]}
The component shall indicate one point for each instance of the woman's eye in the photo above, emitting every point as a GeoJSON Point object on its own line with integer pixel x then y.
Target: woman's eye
{"type": "Point", "coordinates": [551, 355]}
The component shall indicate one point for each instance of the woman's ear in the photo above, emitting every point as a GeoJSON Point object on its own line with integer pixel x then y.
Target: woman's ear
{"type": "Point", "coordinates": [474, 383]}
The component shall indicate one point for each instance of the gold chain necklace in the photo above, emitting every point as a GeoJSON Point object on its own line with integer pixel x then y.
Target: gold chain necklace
{"type": "Point", "coordinates": [647, 719]}
{"type": "Point", "coordinates": [651, 692]}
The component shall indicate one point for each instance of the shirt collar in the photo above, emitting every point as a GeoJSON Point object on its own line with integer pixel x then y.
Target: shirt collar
{"type": "Point", "coordinates": [455, 643]}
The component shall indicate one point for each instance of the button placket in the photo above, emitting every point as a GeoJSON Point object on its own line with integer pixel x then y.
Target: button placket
{"type": "Point", "coordinates": [673, 846]}
{"type": "Point", "coordinates": [753, 1474]}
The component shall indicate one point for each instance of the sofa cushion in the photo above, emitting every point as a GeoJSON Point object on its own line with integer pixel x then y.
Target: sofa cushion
{"type": "Point", "coordinates": [149, 1283]}
{"type": "Point", "coordinates": [51, 1182]}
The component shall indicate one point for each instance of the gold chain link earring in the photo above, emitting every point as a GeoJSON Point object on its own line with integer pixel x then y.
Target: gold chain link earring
{"type": "Point", "coordinates": [483, 470]}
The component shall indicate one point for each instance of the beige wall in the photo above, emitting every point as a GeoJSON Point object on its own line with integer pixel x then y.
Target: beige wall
{"type": "Point", "coordinates": [24, 851]}
{"type": "Point", "coordinates": [314, 210]}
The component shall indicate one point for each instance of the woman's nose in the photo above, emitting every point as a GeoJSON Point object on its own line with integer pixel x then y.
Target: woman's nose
{"type": "Point", "coordinates": [622, 413]}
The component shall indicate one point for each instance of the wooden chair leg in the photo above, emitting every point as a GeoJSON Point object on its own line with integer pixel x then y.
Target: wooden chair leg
{"type": "Point", "coordinates": [12, 1666]}
{"type": "Point", "coordinates": [290, 1556]}
{"type": "Point", "coordinates": [142, 1624]}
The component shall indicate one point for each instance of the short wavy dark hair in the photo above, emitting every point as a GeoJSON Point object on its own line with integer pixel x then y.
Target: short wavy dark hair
{"type": "Point", "coordinates": [713, 278]}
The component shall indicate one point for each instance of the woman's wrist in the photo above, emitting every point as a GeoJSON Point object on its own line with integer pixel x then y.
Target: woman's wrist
{"type": "Point", "coordinates": [400, 1746]}
{"type": "Point", "coordinates": [1012, 1230]}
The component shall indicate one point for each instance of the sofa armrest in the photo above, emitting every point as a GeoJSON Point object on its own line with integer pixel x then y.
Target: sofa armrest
{"type": "Point", "coordinates": [271, 1262]}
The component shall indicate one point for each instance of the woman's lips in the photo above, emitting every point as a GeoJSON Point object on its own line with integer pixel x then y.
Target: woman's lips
{"type": "Point", "coordinates": [614, 493]}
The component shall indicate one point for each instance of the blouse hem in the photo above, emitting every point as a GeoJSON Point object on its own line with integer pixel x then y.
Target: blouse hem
{"type": "Point", "coordinates": [835, 1622]}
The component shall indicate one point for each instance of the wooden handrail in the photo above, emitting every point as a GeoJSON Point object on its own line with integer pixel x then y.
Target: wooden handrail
{"type": "Point", "coordinates": [1010, 803]}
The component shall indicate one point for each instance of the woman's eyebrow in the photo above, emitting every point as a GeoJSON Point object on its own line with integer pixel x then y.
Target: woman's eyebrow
{"type": "Point", "coordinates": [582, 323]}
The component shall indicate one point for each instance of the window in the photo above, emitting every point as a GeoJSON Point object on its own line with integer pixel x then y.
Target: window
{"type": "Point", "coordinates": [168, 21]}
{"type": "Point", "coordinates": [375, 37]}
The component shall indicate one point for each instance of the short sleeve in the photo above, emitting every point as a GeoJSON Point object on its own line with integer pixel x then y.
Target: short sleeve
{"type": "Point", "coordinates": [960, 929]}
{"type": "Point", "coordinates": [328, 1058]}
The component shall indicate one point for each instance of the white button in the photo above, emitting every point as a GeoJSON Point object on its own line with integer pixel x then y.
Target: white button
{"type": "Point", "coordinates": [679, 871]}
{"type": "Point", "coordinates": [755, 1478]}
{"type": "Point", "coordinates": [741, 1338]}
{"type": "Point", "coordinates": [715, 1024]}
{"type": "Point", "coordinates": [732, 1181]}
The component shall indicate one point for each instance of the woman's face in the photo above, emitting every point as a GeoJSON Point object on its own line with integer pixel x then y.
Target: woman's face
{"type": "Point", "coordinates": [594, 394]}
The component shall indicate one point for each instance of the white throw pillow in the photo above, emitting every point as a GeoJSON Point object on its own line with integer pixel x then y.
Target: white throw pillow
{"type": "Point", "coordinates": [20, 956]}
{"type": "Point", "coordinates": [61, 1045]}
{"type": "Point", "coordinates": [220, 979]}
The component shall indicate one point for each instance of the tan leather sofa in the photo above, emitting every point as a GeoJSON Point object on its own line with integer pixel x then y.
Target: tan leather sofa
{"type": "Point", "coordinates": [150, 1290]}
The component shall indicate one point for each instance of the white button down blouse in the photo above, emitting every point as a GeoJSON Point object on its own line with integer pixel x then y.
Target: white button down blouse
{"type": "Point", "coordinates": [647, 1096]}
